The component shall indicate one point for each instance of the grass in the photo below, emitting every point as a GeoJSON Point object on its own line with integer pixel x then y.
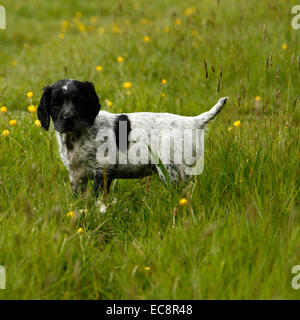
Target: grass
{"type": "Point", "coordinates": [239, 235]}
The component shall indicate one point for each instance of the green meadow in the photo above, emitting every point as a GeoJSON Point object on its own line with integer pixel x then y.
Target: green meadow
{"type": "Point", "coordinates": [237, 234]}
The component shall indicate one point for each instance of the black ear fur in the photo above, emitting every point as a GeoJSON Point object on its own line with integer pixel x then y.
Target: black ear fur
{"type": "Point", "coordinates": [43, 108]}
{"type": "Point", "coordinates": [94, 104]}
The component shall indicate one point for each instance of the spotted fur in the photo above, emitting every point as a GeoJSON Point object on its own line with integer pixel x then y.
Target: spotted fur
{"type": "Point", "coordinates": [74, 108]}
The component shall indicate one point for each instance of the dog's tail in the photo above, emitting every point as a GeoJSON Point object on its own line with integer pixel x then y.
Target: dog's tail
{"type": "Point", "coordinates": [206, 117]}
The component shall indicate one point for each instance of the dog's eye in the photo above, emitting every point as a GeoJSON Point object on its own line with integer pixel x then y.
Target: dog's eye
{"type": "Point", "coordinates": [57, 102]}
{"type": "Point", "coordinates": [78, 100]}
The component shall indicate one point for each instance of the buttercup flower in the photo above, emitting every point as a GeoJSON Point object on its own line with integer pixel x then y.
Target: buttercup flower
{"type": "Point", "coordinates": [71, 214]}
{"type": "Point", "coordinates": [30, 95]}
{"type": "Point", "coordinates": [120, 59]}
{"type": "Point", "coordinates": [237, 123]}
{"type": "Point", "coordinates": [99, 68]}
{"type": "Point", "coordinates": [164, 81]}
{"type": "Point", "coordinates": [146, 39]}
{"type": "Point", "coordinates": [127, 85]}
{"type": "Point", "coordinates": [163, 95]}
{"type": "Point", "coordinates": [178, 21]}
{"type": "Point", "coordinates": [183, 201]}
{"type": "Point", "coordinates": [257, 98]}
{"type": "Point", "coordinates": [167, 29]}
{"type": "Point", "coordinates": [31, 109]}
{"type": "Point", "coordinates": [108, 103]}
{"type": "Point", "coordinates": [65, 24]}
{"type": "Point", "coordinates": [5, 133]}
{"type": "Point", "coordinates": [80, 230]}
{"type": "Point", "coordinates": [14, 63]}
{"type": "Point", "coordinates": [61, 36]}
{"type": "Point", "coordinates": [81, 27]}
{"type": "Point", "coordinates": [147, 269]}
{"type": "Point", "coordinates": [38, 123]}
{"type": "Point", "coordinates": [3, 109]}
{"type": "Point", "coordinates": [284, 46]}
{"type": "Point", "coordinates": [116, 29]}
{"type": "Point", "coordinates": [93, 19]}
{"type": "Point", "coordinates": [100, 30]}
{"type": "Point", "coordinates": [189, 11]}
{"type": "Point", "coordinates": [12, 122]}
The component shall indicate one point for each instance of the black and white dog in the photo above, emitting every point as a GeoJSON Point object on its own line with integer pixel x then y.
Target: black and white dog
{"type": "Point", "coordinates": [95, 145]}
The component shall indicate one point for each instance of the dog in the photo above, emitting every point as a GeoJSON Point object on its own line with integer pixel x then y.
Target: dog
{"type": "Point", "coordinates": [86, 135]}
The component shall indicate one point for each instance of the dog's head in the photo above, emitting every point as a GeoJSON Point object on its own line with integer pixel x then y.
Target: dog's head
{"type": "Point", "coordinates": [72, 105]}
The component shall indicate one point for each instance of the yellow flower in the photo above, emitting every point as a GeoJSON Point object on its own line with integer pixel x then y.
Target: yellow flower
{"type": "Point", "coordinates": [178, 22]}
{"type": "Point", "coordinates": [12, 122]}
{"type": "Point", "coordinates": [163, 95]}
{"type": "Point", "coordinates": [120, 59]}
{"type": "Point", "coordinates": [86, 211]}
{"type": "Point", "coordinates": [284, 46]}
{"type": "Point", "coordinates": [237, 123]}
{"type": "Point", "coordinates": [38, 123]}
{"type": "Point", "coordinates": [65, 24]}
{"type": "Point", "coordinates": [257, 98]}
{"type": "Point", "coordinates": [147, 269]}
{"type": "Point", "coordinates": [14, 63]}
{"type": "Point", "coordinates": [164, 81]}
{"type": "Point", "coordinates": [61, 36]}
{"type": "Point", "coordinates": [3, 109]}
{"type": "Point", "coordinates": [127, 85]}
{"type": "Point", "coordinates": [80, 230]}
{"type": "Point", "coordinates": [93, 19]}
{"type": "Point", "coordinates": [100, 30]}
{"type": "Point", "coordinates": [5, 133]}
{"type": "Point", "coordinates": [116, 29]}
{"type": "Point", "coordinates": [230, 128]}
{"type": "Point", "coordinates": [99, 68]}
{"type": "Point", "coordinates": [81, 27]}
{"type": "Point", "coordinates": [78, 14]}
{"type": "Point", "coordinates": [167, 29]}
{"type": "Point", "coordinates": [183, 201]}
{"type": "Point", "coordinates": [71, 214]}
{"type": "Point", "coordinates": [30, 95]}
{"type": "Point", "coordinates": [189, 11]}
{"type": "Point", "coordinates": [146, 39]}
{"type": "Point", "coordinates": [108, 103]}
{"type": "Point", "coordinates": [32, 109]}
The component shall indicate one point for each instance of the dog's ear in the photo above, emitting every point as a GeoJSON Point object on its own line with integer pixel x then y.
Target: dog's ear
{"type": "Point", "coordinates": [43, 108]}
{"type": "Point", "coordinates": [93, 100]}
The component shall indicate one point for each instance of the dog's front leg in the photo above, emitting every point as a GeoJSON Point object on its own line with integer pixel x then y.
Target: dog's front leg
{"type": "Point", "coordinates": [78, 185]}
{"type": "Point", "coordinates": [101, 183]}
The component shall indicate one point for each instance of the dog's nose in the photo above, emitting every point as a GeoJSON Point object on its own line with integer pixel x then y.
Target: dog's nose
{"type": "Point", "coordinates": [67, 116]}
